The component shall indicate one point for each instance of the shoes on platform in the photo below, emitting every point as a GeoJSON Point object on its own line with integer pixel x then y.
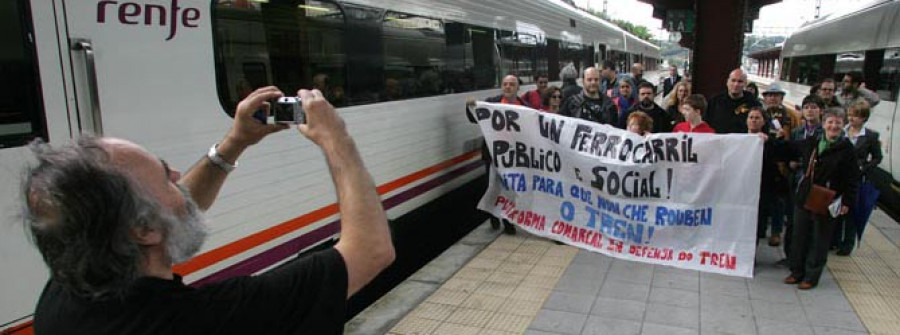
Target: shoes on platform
{"type": "Point", "coordinates": [806, 285]}
{"type": "Point", "coordinates": [790, 280]}
{"type": "Point", "coordinates": [495, 223]}
{"type": "Point", "coordinates": [775, 240]}
{"type": "Point", "coordinates": [843, 252]}
{"type": "Point", "coordinates": [508, 228]}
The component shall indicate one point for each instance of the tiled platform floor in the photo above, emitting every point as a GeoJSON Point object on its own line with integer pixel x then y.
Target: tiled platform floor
{"type": "Point", "coordinates": [498, 292]}
{"type": "Point", "coordinates": [526, 284]}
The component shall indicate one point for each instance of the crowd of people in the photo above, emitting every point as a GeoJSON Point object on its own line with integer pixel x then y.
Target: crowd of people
{"type": "Point", "coordinates": [823, 146]}
{"type": "Point", "coordinates": [110, 219]}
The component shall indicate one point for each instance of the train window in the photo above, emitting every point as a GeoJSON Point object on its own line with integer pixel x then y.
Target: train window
{"type": "Point", "coordinates": [518, 54]}
{"type": "Point", "coordinates": [553, 63]}
{"type": "Point", "coordinates": [574, 53]}
{"type": "Point", "coordinates": [847, 62]}
{"type": "Point", "coordinates": [287, 43]}
{"type": "Point", "coordinates": [541, 62]}
{"type": "Point", "coordinates": [364, 53]}
{"type": "Point", "coordinates": [889, 75]}
{"type": "Point", "coordinates": [786, 69]}
{"type": "Point", "coordinates": [21, 112]}
{"type": "Point", "coordinates": [620, 59]}
{"type": "Point", "coordinates": [483, 51]}
{"type": "Point", "coordinates": [414, 56]}
{"type": "Point", "coordinates": [810, 70]}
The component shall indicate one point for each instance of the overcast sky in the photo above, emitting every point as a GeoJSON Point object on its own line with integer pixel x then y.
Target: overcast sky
{"type": "Point", "coordinates": [783, 16]}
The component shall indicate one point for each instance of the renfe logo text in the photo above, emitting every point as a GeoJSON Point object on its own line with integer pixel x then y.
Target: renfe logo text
{"type": "Point", "coordinates": [134, 13]}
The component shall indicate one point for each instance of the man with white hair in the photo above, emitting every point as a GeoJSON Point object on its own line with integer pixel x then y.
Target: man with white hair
{"type": "Point", "coordinates": [111, 219]}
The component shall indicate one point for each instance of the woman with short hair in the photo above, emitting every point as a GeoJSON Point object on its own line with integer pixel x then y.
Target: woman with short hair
{"type": "Point", "coordinates": [867, 150]}
{"type": "Point", "coordinates": [829, 161]}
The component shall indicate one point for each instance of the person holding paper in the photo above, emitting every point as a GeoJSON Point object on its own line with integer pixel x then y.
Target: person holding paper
{"type": "Point", "coordinates": [829, 161]}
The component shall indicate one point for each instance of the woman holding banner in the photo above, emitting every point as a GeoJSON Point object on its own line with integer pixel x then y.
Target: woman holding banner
{"type": "Point", "coordinates": [868, 153]}
{"type": "Point", "coordinates": [826, 191]}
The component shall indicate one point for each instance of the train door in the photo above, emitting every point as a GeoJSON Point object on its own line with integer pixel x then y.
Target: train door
{"type": "Point", "coordinates": [141, 70]}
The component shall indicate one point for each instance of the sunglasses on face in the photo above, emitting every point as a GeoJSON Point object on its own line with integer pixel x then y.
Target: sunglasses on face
{"type": "Point", "coordinates": [556, 96]}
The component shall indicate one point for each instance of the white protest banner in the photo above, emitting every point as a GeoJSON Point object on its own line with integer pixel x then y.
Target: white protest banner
{"type": "Point", "coordinates": [684, 200]}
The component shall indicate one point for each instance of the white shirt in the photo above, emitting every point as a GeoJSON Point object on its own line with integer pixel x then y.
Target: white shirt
{"type": "Point", "coordinates": [862, 132]}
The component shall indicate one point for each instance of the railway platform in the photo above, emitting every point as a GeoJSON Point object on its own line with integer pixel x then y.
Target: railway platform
{"type": "Point", "coordinates": [489, 283]}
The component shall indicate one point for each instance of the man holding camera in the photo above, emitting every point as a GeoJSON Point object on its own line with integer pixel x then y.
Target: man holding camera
{"type": "Point", "coordinates": [110, 220]}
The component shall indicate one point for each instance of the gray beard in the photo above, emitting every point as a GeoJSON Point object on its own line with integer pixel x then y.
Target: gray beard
{"type": "Point", "coordinates": [185, 233]}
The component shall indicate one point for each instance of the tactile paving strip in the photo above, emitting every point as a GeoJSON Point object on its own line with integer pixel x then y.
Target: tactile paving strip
{"type": "Point", "coordinates": [871, 282]}
{"type": "Point", "coordinates": [500, 291]}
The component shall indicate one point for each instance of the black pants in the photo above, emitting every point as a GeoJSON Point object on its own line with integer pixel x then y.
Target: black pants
{"type": "Point", "coordinates": [809, 248]}
{"type": "Point", "coordinates": [846, 234]}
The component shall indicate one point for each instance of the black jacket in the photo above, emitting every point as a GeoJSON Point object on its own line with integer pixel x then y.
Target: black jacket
{"type": "Point", "coordinates": [835, 168]}
{"type": "Point", "coordinates": [727, 115]}
{"type": "Point", "coordinates": [662, 122]}
{"type": "Point", "coordinates": [773, 182]}
{"type": "Point", "coordinates": [669, 84]}
{"type": "Point", "coordinates": [866, 146]}
{"type": "Point", "coordinates": [569, 89]}
{"type": "Point", "coordinates": [600, 110]}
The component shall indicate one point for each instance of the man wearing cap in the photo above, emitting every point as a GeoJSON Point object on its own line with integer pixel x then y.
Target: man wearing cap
{"type": "Point", "coordinates": [788, 118]}
{"type": "Point", "coordinates": [783, 121]}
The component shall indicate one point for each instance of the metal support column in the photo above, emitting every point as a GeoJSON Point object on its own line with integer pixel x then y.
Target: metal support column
{"type": "Point", "coordinates": [719, 39]}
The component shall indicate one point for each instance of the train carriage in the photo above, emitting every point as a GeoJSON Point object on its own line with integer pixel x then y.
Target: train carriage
{"type": "Point", "coordinates": [866, 41]}
{"type": "Point", "coordinates": [167, 74]}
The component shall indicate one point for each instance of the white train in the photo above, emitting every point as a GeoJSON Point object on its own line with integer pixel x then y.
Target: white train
{"type": "Point", "coordinates": [865, 41]}
{"type": "Point", "coordinates": [168, 73]}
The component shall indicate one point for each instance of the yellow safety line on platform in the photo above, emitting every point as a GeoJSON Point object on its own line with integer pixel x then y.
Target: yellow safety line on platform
{"type": "Point", "coordinates": [870, 278]}
{"type": "Point", "coordinates": [500, 291]}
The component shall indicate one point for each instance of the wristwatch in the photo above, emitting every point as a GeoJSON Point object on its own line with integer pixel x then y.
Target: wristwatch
{"type": "Point", "coordinates": [218, 161]}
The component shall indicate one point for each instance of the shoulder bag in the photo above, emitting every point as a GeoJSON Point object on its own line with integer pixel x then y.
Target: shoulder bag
{"type": "Point", "coordinates": [819, 197]}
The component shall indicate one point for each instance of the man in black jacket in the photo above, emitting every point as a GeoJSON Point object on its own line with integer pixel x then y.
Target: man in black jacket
{"type": "Point", "coordinates": [662, 122]}
{"type": "Point", "coordinates": [669, 83]}
{"type": "Point", "coordinates": [727, 112]}
{"type": "Point", "coordinates": [591, 105]}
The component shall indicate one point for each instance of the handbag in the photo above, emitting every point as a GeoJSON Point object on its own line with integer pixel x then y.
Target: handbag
{"type": "Point", "coordinates": [819, 197]}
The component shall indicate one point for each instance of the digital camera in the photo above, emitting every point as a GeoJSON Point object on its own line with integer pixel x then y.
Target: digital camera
{"type": "Point", "coordinates": [289, 110]}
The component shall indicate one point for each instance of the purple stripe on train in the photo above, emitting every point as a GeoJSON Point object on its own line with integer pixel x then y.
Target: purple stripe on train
{"type": "Point", "coordinates": [292, 247]}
